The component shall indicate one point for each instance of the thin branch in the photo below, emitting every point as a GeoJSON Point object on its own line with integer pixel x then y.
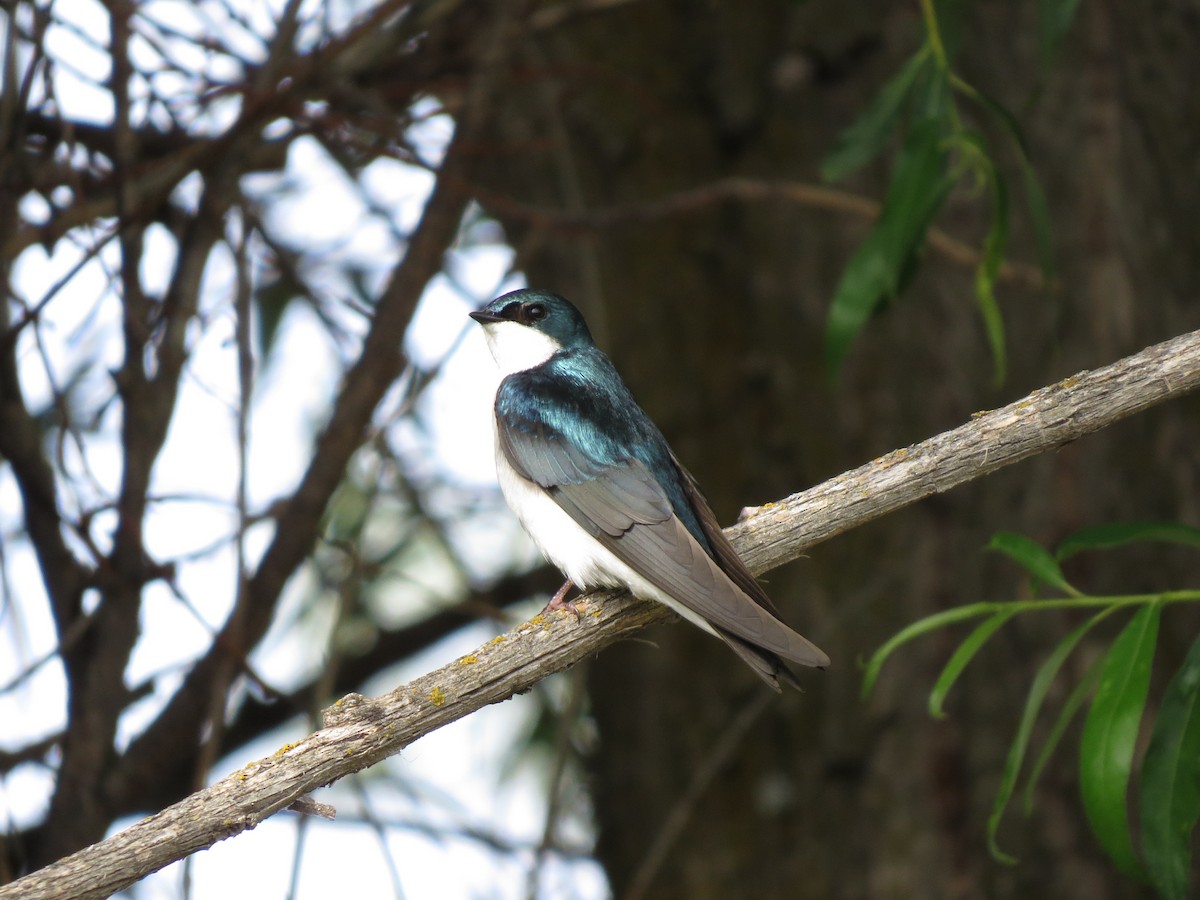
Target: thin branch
{"type": "Point", "coordinates": [359, 732]}
{"type": "Point", "coordinates": [771, 535]}
{"type": "Point", "coordinates": [745, 189]}
{"type": "Point", "coordinates": [95, 667]}
{"type": "Point", "coordinates": [702, 778]}
{"type": "Point", "coordinates": [170, 741]}
{"type": "Point", "coordinates": [21, 445]}
{"type": "Point", "coordinates": [564, 751]}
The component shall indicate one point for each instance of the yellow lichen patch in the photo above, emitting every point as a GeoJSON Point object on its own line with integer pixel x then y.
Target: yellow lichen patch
{"type": "Point", "coordinates": [468, 660]}
{"type": "Point", "coordinates": [437, 696]}
{"type": "Point", "coordinates": [284, 749]}
{"type": "Point", "coordinates": [498, 639]}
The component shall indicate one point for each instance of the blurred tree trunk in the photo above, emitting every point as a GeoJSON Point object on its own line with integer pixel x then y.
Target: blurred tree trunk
{"type": "Point", "coordinates": [715, 317]}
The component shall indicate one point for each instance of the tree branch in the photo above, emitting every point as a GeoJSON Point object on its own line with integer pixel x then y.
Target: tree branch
{"type": "Point", "coordinates": [750, 190]}
{"type": "Point", "coordinates": [21, 437]}
{"type": "Point", "coordinates": [359, 732]}
{"type": "Point", "coordinates": [167, 747]}
{"type": "Point", "coordinates": [771, 535]}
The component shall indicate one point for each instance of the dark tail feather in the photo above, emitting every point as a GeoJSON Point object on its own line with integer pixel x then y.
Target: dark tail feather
{"type": "Point", "coordinates": [766, 665]}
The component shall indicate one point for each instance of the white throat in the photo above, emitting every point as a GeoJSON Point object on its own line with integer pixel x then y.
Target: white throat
{"type": "Point", "coordinates": [517, 347]}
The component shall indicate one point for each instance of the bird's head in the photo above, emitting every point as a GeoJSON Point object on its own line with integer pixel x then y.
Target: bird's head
{"type": "Point", "coordinates": [525, 328]}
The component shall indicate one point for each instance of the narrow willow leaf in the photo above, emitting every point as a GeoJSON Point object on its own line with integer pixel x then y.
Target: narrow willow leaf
{"type": "Point", "coordinates": [932, 97]}
{"type": "Point", "coordinates": [1032, 557]}
{"type": "Point", "coordinates": [1075, 700]}
{"type": "Point", "coordinates": [863, 140]}
{"type": "Point", "coordinates": [1110, 734]}
{"type": "Point", "coordinates": [919, 186]}
{"type": "Point", "coordinates": [1039, 210]}
{"type": "Point", "coordinates": [1045, 676]}
{"type": "Point", "coordinates": [986, 273]}
{"type": "Point", "coordinates": [962, 656]}
{"type": "Point", "coordinates": [915, 630]}
{"type": "Point", "coordinates": [1170, 783]}
{"type": "Point", "coordinates": [1117, 534]}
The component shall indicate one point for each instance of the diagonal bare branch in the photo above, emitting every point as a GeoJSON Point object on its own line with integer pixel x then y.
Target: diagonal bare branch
{"type": "Point", "coordinates": [359, 732]}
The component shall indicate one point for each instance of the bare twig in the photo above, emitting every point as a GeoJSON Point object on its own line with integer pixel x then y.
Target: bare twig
{"type": "Point", "coordinates": [568, 719]}
{"type": "Point", "coordinates": [770, 535]}
{"type": "Point", "coordinates": [718, 757]}
{"type": "Point", "coordinates": [813, 196]}
{"type": "Point", "coordinates": [359, 732]}
{"type": "Point", "coordinates": [170, 741]}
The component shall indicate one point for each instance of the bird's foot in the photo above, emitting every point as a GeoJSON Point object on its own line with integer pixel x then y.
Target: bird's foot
{"type": "Point", "coordinates": [559, 601]}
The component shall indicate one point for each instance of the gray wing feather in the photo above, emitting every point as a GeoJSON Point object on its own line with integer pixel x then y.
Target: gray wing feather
{"type": "Point", "coordinates": [626, 510]}
{"type": "Point", "coordinates": [666, 555]}
{"type": "Point", "coordinates": [726, 556]}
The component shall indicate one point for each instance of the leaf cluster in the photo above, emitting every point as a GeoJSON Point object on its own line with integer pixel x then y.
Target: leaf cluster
{"type": "Point", "coordinates": [1115, 688]}
{"type": "Point", "coordinates": [938, 152]}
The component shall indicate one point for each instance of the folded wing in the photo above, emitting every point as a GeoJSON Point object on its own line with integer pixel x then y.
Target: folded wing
{"type": "Point", "coordinates": [620, 503]}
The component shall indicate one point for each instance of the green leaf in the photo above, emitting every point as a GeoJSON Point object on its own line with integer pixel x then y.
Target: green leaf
{"type": "Point", "coordinates": [997, 109]}
{"type": "Point", "coordinates": [1170, 783]}
{"type": "Point", "coordinates": [1084, 689]}
{"type": "Point", "coordinates": [986, 273]}
{"type": "Point", "coordinates": [1117, 534]}
{"type": "Point", "coordinates": [1032, 557]}
{"type": "Point", "coordinates": [1054, 21]}
{"type": "Point", "coordinates": [932, 97]}
{"type": "Point", "coordinates": [862, 141]}
{"type": "Point", "coordinates": [1045, 676]}
{"type": "Point", "coordinates": [1039, 211]}
{"type": "Point", "coordinates": [963, 655]}
{"type": "Point", "coordinates": [1110, 734]}
{"type": "Point", "coordinates": [915, 630]}
{"type": "Point", "coordinates": [919, 186]}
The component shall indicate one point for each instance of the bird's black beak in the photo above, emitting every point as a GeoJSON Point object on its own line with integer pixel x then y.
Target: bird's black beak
{"type": "Point", "coordinates": [485, 318]}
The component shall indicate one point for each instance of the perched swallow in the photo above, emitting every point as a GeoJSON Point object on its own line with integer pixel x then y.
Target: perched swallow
{"type": "Point", "coordinates": [594, 483]}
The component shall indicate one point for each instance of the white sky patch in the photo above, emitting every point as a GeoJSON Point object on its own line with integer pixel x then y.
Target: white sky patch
{"type": "Point", "coordinates": [458, 404]}
{"type": "Point", "coordinates": [399, 189]}
{"type": "Point", "coordinates": [83, 68]}
{"type": "Point", "coordinates": [432, 130]}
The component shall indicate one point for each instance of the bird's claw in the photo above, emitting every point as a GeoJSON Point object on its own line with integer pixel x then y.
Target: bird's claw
{"type": "Point", "coordinates": [559, 601]}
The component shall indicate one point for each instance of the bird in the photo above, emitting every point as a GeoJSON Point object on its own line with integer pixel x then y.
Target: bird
{"type": "Point", "coordinates": [595, 484]}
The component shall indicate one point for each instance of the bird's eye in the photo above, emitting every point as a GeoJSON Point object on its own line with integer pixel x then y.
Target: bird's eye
{"type": "Point", "coordinates": [536, 312]}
